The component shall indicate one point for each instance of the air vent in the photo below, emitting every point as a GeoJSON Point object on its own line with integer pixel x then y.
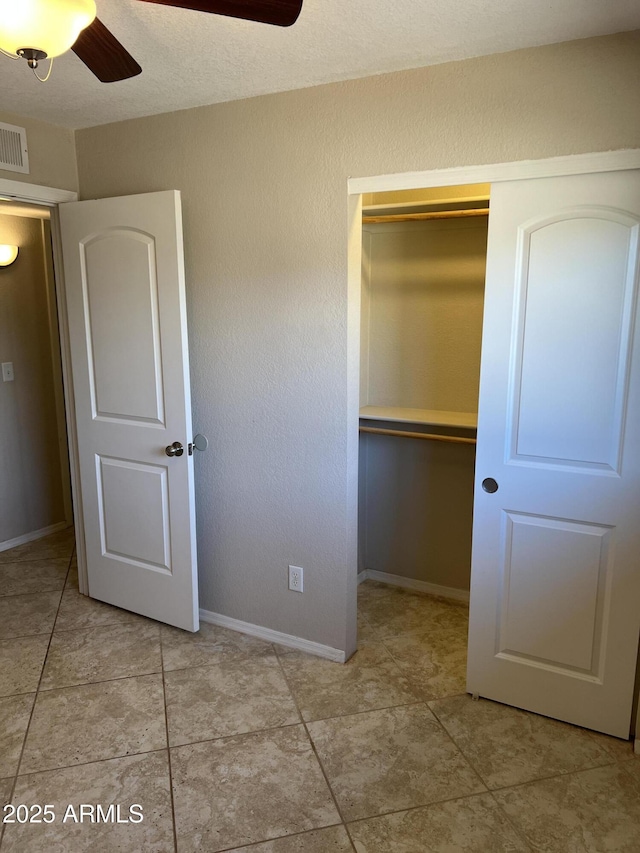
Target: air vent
{"type": "Point", "coordinates": [13, 148]}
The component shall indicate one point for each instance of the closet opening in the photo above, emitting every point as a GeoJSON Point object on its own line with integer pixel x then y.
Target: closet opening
{"type": "Point", "coordinates": [423, 275]}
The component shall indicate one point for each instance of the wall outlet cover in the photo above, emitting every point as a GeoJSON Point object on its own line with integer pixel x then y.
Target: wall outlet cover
{"type": "Point", "coordinates": [296, 578]}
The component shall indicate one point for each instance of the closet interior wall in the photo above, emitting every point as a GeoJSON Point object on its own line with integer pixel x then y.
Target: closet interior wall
{"type": "Point", "coordinates": [422, 303]}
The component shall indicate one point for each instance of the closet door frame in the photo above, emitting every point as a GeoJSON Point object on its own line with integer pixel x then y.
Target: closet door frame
{"type": "Point", "coordinates": [578, 164]}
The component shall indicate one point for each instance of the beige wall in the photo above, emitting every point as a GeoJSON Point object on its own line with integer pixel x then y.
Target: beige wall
{"type": "Point", "coordinates": [31, 491]}
{"type": "Point", "coordinates": [264, 184]}
{"type": "Point", "coordinates": [425, 314]}
{"type": "Point", "coordinates": [52, 154]}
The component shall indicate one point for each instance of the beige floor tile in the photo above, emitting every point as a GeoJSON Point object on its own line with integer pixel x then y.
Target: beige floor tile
{"type": "Point", "coordinates": [470, 825]}
{"type": "Point", "coordinates": [228, 698]}
{"type": "Point", "coordinates": [365, 632]}
{"type": "Point", "coordinates": [618, 749]}
{"type": "Point", "coordinates": [403, 611]}
{"type": "Point", "coordinates": [508, 747]}
{"type": "Point", "coordinates": [72, 577]}
{"type": "Point", "coordinates": [80, 611]}
{"type": "Point", "coordinates": [595, 811]}
{"type": "Point", "coordinates": [23, 615]}
{"type": "Point", "coordinates": [331, 840]}
{"type": "Point", "coordinates": [21, 661]}
{"type": "Point", "coordinates": [633, 766]}
{"type": "Point", "coordinates": [369, 680]}
{"type": "Point", "coordinates": [255, 787]}
{"type": "Point", "coordinates": [101, 654]}
{"type": "Point", "coordinates": [137, 779]}
{"type": "Point", "coordinates": [434, 660]}
{"type": "Point", "coordinates": [78, 725]}
{"type": "Point", "coordinates": [14, 719]}
{"type": "Point", "coordinates": [374, 590]}
{"type": "Point", "coordinates": [58, 545]}
{"type": "Point", "coordinates": [6, 786]}
{"type": "Point", "coordinates": [390, 760]}
{"type": "Point", "coordinates": [32, 577]}
{"type": "Point", "coordinates": [181, 649]}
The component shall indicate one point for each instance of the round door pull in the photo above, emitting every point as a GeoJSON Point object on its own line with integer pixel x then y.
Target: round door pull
{"type": "Point", "coordinates": [490, 485]}
{"type": "Point", "coordinates": [175, 449]}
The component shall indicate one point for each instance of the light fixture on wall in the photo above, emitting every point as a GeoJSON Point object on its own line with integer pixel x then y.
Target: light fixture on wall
{"type": "Point", "coordinates": [8, 254]}
{"type": "Point", "coordinates": [41, 29]}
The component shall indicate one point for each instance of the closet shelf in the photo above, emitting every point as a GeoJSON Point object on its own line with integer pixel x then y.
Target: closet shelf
{"type": "Point", "coordinates": [419, 217]}
{"type": "Point", "coordinates": [434, 204]}
{"type": "Point", "coordinates": [428, 417]}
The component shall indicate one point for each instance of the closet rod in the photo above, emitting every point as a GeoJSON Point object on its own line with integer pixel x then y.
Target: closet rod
{"type": "Point", "coordinates": [428, 435]}
{"type": "Point", "coordinates": [435, 214]}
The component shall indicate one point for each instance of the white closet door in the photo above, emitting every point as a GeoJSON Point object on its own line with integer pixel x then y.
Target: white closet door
{"type": "Point", "coordinates": [555, 588]}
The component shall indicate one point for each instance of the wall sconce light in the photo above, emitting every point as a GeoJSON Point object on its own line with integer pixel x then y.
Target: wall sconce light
{"type": "Point", "coordinates": [8, 254]}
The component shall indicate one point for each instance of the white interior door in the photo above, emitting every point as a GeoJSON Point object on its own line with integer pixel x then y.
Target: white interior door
{"type": "Point", "coordinates": [555, 588]}
{"type": "Point", "coordinates": [124, 279]}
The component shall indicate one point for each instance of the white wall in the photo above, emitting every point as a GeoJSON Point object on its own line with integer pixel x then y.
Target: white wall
{"type": "Point", "coordinates": [264, 184]}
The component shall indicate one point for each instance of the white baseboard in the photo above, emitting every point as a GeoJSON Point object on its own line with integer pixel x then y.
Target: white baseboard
{"type": "Point", "coordinates": [419, 586]}
{"type": "Point", "coordinates": [35, 534]}
{"type": "Point", "coordinates": [271, 636]}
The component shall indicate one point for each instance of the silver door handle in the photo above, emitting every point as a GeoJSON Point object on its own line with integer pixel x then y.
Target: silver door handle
{"type": "Point", "coordinates": [175, 449]}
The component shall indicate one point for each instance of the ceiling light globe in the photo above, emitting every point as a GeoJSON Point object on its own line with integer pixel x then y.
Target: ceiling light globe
{"type": "Point", "coordinates": [48, 25]}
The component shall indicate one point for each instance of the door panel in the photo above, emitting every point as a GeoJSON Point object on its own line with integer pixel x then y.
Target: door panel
{"type": "Point", "coordinates": [124, 278]}
{"type": "Point", "coordinates": [582, 327]}
{"type": "Point", "coordinates": [555, 590]}
{"type": "Point", "coordinates": [133, 507]}
{"type": "Point", "coordinates": [121, 296]}
{"type": "Point", "coordinates": [553, 593]}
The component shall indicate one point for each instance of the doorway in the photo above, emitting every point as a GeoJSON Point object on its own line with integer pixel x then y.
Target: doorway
{"type": "Point", "coordinates": [35, 484]}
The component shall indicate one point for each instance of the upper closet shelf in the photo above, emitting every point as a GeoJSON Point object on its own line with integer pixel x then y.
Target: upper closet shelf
{"type": "Point", "coordinates": [425, 216]}
{"type": "Point", "coordinates": [432, 417]}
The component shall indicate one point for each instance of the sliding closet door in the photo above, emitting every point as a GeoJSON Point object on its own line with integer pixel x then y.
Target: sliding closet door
{"type": "Point", "coordinates": [555, 587]}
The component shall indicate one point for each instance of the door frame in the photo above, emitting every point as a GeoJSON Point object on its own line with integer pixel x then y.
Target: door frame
{"type": "Point", "coordinates": [490, 173]}
{"type": "Point", "coordinates": [51, 197]}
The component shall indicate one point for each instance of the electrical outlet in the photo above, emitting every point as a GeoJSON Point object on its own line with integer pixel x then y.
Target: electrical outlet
{"type": "Point", "coordinates": [7, 371]}
{"type": "Point", "coordinates": [296, 578]}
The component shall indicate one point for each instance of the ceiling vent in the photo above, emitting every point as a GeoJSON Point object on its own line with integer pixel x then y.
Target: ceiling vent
{"type": "Point", "coordinates": [13, 148]}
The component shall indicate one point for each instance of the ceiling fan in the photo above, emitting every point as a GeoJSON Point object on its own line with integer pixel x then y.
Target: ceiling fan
{"type": "Point", "coordinates": [39, 29]}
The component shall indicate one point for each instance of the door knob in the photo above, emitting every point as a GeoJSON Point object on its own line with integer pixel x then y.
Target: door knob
{"type": "Point", "coordinates": [175, 449]}
{"type": "Point", "coordinates": [490, 485]}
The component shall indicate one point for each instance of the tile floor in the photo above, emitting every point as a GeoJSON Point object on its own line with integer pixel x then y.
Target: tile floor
{"type": "Point", "coordinates": [230, 743]}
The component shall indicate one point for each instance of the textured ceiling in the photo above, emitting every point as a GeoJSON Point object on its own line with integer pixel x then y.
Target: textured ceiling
{"type": "Point", "coordinates": [191, 58]}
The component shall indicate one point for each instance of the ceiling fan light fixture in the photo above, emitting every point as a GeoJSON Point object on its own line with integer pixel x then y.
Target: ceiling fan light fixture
{"type": "Point", "coordinates": [31, 28]}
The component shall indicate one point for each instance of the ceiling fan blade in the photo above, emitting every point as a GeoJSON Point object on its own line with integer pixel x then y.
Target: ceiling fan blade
{"type": "Point", "coordinates": [282, 13]}
{"type": "Point", "coordinates": [103, 54]}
